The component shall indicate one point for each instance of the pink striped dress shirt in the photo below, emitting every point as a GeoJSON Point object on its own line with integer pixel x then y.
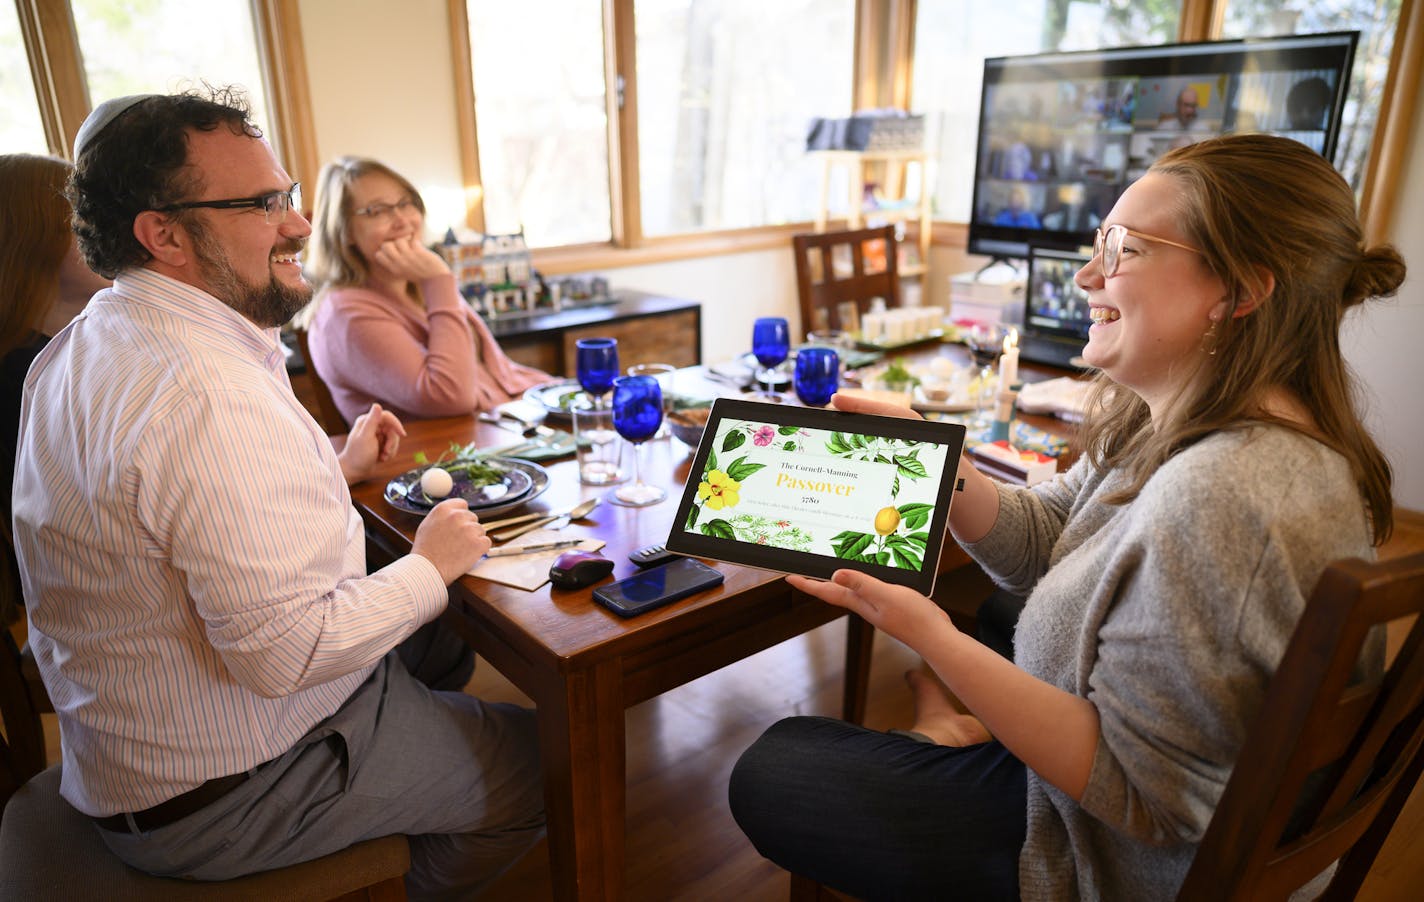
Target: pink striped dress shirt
{"type": "Point", "coordinates": [194, 569]}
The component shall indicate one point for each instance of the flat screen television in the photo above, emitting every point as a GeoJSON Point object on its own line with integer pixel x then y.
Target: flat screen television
{"type": "Point", "coordinates": [1061, 135]}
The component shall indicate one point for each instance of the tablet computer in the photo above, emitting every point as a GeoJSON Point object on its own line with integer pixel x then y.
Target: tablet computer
{"type": "Point", "coordinates": [809, 491]}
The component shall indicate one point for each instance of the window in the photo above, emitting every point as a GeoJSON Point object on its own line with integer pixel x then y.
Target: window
{"type": "Point", "coordinates": [542, 121]}
{"type": "Point", "coordinates": [159, 46]}
{"type": "Point", "coordinates": [21, 128]}
{"type": "Point", "coordinates": [726, 92]}
{"type": "Point", "coordinates": [1376, 23]}
{"type": "Point", "coordinates": [952, 39]}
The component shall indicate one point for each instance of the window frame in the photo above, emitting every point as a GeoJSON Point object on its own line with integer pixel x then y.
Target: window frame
{"type": "Point", "coordinates": [62, 88]}
{"type": "Point", "coordinates": [884, 46]}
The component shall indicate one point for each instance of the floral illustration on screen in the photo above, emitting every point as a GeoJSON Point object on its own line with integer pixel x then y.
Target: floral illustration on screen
{"type": "Point", "coordinates": [842, 495]}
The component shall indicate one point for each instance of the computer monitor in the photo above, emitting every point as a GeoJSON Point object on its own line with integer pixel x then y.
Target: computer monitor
{"type": "Point", "coordinates": [1056, 317]}
{"type": "Point", "coordinates": [1061, 135]}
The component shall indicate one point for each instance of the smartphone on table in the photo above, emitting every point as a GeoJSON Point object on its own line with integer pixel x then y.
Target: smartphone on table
{"type": "Point", "coordinates": [657, 586]}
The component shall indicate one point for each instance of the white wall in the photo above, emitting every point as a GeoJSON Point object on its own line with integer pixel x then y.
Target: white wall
{"type": "Point", "coordinates": [1384, 342]}
{"type": "Point", "coordinates": [381, 86]}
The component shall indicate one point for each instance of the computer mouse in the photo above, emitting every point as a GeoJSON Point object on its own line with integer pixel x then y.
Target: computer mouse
{"type": "Point", "coordinates": [576, 569]}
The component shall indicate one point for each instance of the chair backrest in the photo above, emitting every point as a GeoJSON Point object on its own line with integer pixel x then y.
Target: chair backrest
{"type": "Point", "coordinates": [328, 414]}
{"type": "Point", "coordinates": [22, 751]}
{"type": "Point", "coordinates": [823, 279]}
{"type": "Point", "coordinates": [1329, 763]}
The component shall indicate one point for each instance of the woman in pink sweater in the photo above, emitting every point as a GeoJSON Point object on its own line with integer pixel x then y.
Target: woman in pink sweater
{"type": "Point", "coordinates": [390, 326]}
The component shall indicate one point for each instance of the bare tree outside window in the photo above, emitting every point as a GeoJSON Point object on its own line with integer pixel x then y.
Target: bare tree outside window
{"type": "Point", "coordinates": [161, 46]}
{"type": "Point", "coordinates": [541, 119]}
{"type": "Point", "coordinates": [21, 129]}
{"type": "Point", "coordinates": [1374, 19]}
{"type": "Point", "coordinates": [953, 38]}
{"type": "Point", "coordinates": [726, 92]}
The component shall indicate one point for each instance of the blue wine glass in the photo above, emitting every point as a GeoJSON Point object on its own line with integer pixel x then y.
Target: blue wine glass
{"type": "Point", "coordinates": [596, 361]}
{"type": "Point", "coordinates": [818, 372]}
{"type": "Point", "coordinates": [771, 342]}
{"type": "Point", "coordinates": [637, 414]}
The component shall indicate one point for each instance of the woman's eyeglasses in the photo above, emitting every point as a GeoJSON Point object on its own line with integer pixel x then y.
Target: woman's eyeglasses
{"type": "Point", "coordinates": [1107, 246]}
{"type": "Point", "coordinates": [386, 211]}
{"type": "Point", "coordinates": [274, 206]}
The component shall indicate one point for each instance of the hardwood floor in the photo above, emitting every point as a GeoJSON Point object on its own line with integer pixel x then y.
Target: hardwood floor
{"type": "Point", "coordinates": [682, 842]}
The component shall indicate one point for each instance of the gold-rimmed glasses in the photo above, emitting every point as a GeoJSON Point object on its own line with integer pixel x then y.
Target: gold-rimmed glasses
{"type": "Point", "coordinates": [385, 211]}
{"type": "Point", "coordinates": [1107, 246]}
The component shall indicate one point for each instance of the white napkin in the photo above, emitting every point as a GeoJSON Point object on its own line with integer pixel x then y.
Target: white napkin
{"type": "Point", "coordinates": [529, 571]}
{"type": "Point", "coordinates": [1064, 397]}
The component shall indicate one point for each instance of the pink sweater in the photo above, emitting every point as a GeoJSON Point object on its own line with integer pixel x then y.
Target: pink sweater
{"type": "Point", "coordinates": [370, 347]}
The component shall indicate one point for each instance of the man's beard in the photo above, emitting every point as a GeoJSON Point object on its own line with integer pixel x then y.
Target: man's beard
{"type": "Point", "coordinates": [267, 305]}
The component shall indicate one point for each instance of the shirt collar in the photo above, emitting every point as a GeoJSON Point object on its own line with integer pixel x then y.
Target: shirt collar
{"type": "Point", "coordinates": [202, 309]}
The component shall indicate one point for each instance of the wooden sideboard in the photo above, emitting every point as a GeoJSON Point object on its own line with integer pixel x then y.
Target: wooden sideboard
{"type": "Point", "coordinates": [649, 329]}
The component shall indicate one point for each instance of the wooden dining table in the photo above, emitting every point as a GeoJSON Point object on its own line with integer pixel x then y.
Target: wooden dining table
{"type": "Point", "coordinates": [583, 666]}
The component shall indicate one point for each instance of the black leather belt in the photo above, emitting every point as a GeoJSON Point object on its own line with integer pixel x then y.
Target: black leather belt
{"type": "Point", "coordinates": [176, 808]}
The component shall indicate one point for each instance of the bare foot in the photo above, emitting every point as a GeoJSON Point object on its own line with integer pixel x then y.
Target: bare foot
{"type": "Point", "coordinates": [936, 715]}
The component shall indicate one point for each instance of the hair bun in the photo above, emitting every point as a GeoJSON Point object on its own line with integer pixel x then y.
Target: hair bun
{"type": "Point", "coordinates": [1378, 273]}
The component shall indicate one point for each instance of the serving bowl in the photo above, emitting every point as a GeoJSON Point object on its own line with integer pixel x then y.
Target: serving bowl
{"type": "Point", "coordinates": [687, 424]}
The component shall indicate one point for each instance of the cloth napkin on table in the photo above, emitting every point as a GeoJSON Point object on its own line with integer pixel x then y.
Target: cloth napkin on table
{"type": "Point", "coordinates": [530, 571]}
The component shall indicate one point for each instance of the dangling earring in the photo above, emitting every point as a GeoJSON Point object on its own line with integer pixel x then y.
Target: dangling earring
{"type": "Point", "coordinates": [1208, 342]}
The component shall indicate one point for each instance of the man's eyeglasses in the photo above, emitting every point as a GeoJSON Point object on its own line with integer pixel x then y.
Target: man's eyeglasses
{"type": "Point", "coordinates": [385, 211]}
{"type": "Point", "coordinates": [274, 206]}
{"type": "Point", "coordinates": [1107, 246]}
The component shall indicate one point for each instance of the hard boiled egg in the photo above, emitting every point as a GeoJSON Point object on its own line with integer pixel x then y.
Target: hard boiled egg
{"type": "Point", "coordinates": [436, 483]}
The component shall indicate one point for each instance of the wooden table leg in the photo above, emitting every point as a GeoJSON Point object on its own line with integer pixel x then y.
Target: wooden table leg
{"type": "Point", "coordinates": [581, 737]}
{"type": "Point", "coordinates": [860, 638]}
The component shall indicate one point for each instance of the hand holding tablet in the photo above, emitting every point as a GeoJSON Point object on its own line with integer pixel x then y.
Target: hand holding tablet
{"type": "Point", "coordinates": [811, 491]}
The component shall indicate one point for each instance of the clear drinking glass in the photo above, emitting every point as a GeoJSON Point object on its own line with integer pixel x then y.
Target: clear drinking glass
{"type": "Point", "coordinates": [985, 342]}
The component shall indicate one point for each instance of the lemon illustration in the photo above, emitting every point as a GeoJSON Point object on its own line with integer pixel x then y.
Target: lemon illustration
{"type": "Point", "coordinates": [886, 520]}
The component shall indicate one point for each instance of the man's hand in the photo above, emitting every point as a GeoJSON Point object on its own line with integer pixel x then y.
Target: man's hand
{"type": "Point", "coordinates": [373, 440]}
{"type": "Point", "coordinates": [451, 538]}
{"type": "Point", "coordinates": [409, 259]}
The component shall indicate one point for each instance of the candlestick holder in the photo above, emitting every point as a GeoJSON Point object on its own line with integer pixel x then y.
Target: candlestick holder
{"type": "Point", "coordinates": [999, 427]}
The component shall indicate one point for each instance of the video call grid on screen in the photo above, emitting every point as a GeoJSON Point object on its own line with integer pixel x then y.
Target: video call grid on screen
{"type": "Point", "coordinates": [809, 491]}
{"type": "Point", "coordinates": [1056, 305]}
{"type": "Point", "coordinates": [1062, 135]}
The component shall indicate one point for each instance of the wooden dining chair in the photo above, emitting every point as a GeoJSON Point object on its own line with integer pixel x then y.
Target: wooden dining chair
{"type": "Point", "coordinates": [833, 268]}
{"type": "Point", "coordinates": [326, 413]}
{"type": "Point", "coordinates": [50, 852]}
{"type": "Point", "coordinates": [1329, 764]}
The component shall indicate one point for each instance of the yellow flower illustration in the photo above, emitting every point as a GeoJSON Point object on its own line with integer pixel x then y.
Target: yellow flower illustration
{"type": "Point", "coordinates": [719, 490]}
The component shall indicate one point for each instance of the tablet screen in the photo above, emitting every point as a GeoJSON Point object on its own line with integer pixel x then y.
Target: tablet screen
{"type": "Point", "coordinates": [810, 491]}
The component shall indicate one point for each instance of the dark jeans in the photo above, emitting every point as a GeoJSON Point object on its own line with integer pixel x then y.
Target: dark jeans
{"type": "Point", "coordinates": [881, 815]}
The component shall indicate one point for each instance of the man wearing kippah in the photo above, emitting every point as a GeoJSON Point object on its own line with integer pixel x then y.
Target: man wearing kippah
{"type": "Point", "coordinates": [227, 676]}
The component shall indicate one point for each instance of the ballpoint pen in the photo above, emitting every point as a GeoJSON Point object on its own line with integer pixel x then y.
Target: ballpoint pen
{"type": "Point", "coordinates": [526, 549]}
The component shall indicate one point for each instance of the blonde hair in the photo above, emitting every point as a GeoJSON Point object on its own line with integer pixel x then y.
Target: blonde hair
{"type": "Point", "coordinates": [34, 238]}
{"type": "Point", "coordinates": [1258, 204]}
{"type": "Point", "coordinates": [331, 259]}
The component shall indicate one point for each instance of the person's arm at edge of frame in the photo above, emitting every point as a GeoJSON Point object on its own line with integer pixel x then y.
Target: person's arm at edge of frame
{"type": "Point", "coordinates": [1052, 731]}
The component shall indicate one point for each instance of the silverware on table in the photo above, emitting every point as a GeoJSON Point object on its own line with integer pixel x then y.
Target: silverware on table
{"type": "Point", "coordinates": [578, 511]}
{"type": "Point", "coordinates": [529, 549]}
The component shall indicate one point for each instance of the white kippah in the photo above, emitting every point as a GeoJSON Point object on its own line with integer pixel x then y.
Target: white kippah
{"type": "Point", "coordinates": [100, 118]}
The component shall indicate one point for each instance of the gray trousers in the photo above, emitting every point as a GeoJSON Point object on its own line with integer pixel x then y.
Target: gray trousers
{"type": "Point", "coordinates": [459, 776]}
